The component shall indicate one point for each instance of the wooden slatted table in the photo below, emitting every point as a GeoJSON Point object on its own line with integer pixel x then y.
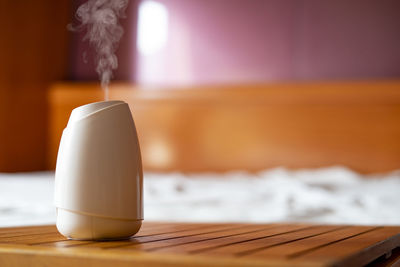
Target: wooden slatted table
{"type": "Point", "coordinates": [188, 244]}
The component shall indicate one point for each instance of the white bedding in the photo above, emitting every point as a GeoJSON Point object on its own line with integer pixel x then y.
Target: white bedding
{"type": "Point", "coordinates": [328, 195]}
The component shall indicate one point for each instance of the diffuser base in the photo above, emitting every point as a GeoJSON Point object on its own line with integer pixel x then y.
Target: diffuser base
{"type": "Point", "coordinates": [87, 227]}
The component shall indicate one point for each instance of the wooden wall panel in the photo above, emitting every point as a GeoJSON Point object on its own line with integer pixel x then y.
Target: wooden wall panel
{"type": "Point", "coordinates": [253, 127]}
{"type": "Point", "coordinates": [33, 54]}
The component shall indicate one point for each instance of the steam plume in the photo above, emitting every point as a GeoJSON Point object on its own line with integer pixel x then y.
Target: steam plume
{"type": "Point", "coordinates": [100, 20]}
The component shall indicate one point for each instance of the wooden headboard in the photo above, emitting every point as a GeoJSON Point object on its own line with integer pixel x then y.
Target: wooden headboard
{"type": "Point", "coordinates": [252, 127]}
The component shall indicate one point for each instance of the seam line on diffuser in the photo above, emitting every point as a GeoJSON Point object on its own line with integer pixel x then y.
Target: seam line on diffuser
{"type": "Point", "coordinates": [99, 216]}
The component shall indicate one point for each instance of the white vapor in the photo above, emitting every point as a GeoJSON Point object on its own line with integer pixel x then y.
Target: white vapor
{"type": "Point", "coordinates": [100, 20]}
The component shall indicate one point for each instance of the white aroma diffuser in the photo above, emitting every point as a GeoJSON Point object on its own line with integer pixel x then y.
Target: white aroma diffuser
{"type": "Point", "coordinates": [99, 179]}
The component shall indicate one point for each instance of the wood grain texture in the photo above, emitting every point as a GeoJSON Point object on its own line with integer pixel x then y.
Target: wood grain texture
{"type": "Point", "coordinates": [177, 244]}
{"type": "Point", "coordinates": [252, 127]}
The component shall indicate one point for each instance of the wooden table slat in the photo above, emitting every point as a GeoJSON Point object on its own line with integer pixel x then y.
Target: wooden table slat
{"type": "Point", "coordinates": [360, 249]}
{"type": "Point", "coordinates": [202, 237]}
{"type": "Point", "coordinates": [191, 244]}
{"type": "Point", "coordinates": [301, 247]}
{"type": "Point", "coordinates": [211, 246]}
{"type": "Point", "coordinates": [164, 237]}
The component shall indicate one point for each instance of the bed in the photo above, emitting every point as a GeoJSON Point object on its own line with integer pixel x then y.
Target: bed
{"type": "Point", "coordinates": [320, 152]}
{"type": "Point", "coordinates": [333, 195]}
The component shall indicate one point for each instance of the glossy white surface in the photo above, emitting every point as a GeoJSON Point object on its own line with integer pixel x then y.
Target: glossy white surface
{"type": "Point", "coordinates": [99, 173]}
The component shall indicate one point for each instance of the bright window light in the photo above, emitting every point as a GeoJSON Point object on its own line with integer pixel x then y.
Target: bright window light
{"type": "Point", "coordinates": [152, 27]}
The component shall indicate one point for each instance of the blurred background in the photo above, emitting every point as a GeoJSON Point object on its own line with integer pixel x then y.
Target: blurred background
{"type": "Point", "coordinates": [217, 86]}
{"type": "Point", "coordinates": [186, 43]}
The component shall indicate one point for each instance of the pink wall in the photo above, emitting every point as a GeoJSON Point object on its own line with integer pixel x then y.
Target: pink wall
{"type": "Point", "coordinates": [227, 41]}
{"type": "Point", "coordinates": [348, 40]}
